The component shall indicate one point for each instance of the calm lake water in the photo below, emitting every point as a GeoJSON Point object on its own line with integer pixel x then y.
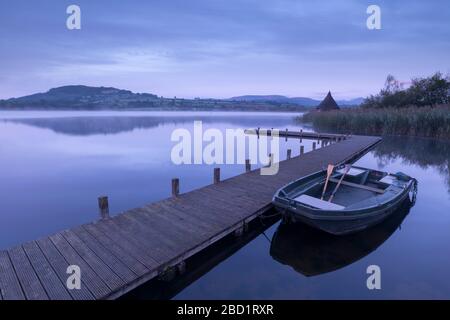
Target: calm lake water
{"type": "Point", "coordinates": [54, 165]}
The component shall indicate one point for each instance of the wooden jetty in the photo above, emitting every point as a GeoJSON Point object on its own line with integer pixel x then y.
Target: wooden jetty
{"type": "Point", "coordinates": [300, 134]}
{"type": "Point", "coordinates": [117, 254]}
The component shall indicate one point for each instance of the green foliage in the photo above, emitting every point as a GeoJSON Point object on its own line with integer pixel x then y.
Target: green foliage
{"type": "Point", "coordinates": [431, 91]}
{"type": "Point", "coordinates": [414, 121]}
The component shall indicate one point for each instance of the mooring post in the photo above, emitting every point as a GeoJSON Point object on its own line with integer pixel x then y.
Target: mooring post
{"type": "Point", "coordinates": [175, 187]}
{"type": "Point", "coordinates": [302, 149]}
{"type": "Point", "coordinates": [103, 207]}
{"type": "Point", "coordinates": [301, 135]}
{"type": "Point", "coordinates": [257, 132]}
{"type": "Point", "coordinates": [286, 135]}
{"type": "Point", "coordinates": [248, 166]}
{"type": "Point", "coordinates": [314, 146]}
{"type": "Point", "coordinates": [288, 154]}
{"type": "Point", "coordinates": [216, 175]}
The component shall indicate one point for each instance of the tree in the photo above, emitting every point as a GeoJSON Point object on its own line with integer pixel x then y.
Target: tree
{"type": "Point", "coordinates": [430, 91]}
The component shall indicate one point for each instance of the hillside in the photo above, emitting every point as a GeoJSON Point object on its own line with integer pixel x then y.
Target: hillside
{"type": "Point", "coordinates": [78, 97]}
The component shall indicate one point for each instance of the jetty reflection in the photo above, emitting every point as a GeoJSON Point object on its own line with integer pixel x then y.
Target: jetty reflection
{"type": "Point", "coordinates": [312, 252]}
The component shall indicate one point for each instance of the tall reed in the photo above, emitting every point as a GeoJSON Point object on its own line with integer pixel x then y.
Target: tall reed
{"type": "Point", "coordinates": [410, 121]}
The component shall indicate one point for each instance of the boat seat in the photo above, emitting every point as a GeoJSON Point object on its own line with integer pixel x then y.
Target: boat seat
{"type": "Point", "coordinates": [356, 185]}
{"type": "Point", "coordinates": [354, 172]}
{"type": "Point", "coordinates": [317, 203]}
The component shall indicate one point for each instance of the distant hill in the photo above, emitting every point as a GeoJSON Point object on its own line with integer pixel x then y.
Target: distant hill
{"type": "Point", "coordinates": [307, 102]}
{"type": "Point", "coordinates": [78, 97]}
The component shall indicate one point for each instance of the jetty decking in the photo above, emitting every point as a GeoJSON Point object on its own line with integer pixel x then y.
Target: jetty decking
{"type": "Point", "coordinates": [120, 253]}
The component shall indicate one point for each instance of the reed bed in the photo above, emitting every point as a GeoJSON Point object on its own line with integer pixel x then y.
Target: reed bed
{"type": "Point", "coordinates": [410, 121]}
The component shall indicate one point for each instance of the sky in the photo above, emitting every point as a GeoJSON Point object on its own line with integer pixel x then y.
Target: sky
{"type": "Point", "coordinates": [221, 48]}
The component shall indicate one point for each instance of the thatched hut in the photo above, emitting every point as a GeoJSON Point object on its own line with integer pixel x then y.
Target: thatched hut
{"type": "Point", "coordinates": [328, 103]}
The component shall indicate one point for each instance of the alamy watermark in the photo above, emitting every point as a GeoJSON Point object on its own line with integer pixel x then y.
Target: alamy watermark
{"type": "Point", "coordinates": [373, 22]}
{"type": "Point", "coordinates": [74, 280]}
{"type": "Point", "coordinates": [211, 146]}
{"type": "Point", "coordinates": [374, 280]}
{"type": "Point", "coordinates": [73, 22]}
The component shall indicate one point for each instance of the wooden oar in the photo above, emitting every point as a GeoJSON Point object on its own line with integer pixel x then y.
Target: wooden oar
{"type": "Point", "coordinates": [329, 172]}
{"type": "Point", "coordinates": [346, 170]}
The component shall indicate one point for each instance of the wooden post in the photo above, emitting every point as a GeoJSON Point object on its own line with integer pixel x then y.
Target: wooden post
{"type": "Point", "coordinates": [175, 187]}
{"type": "Point", "coordinates": [286, 135]}
{"type": "Point", "coordinates": [314, 146]}
{"type": "Point", "coordinates": [248, 166]}
{"type": "Point", "coordinates": [301, 135]}
{"type": "Point", "coordinates": [216, 175]}
{"type": "Point", "coordinates": [103, 206]}
{"type": "Point", "coordinates": [289, 153]}
{"type": "Point", "coordinates": [302, 149]}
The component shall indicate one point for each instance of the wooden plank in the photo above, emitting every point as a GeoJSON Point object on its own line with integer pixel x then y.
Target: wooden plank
{"type": "Point", "coordinates": [231, 210]}
{"type": "Point", "coordinates": [191, 221]}
{"type": "Point", "coordinates": [88, 276]}
{"type": "Point", "coordinates": [248, 191]}
{"type": "Point", "coordinates": [190, 208]}
{"type": "Point", "coordinates": [53, 286]}
{"type": "Point", "coordinates": [143, 238]}
{"type": "Point", "coordinates": [108, 276]}
{"type": "Point", "coordinates": [172, 235]}
{"type": "Point", "coordinates": [59, 265]}
{"type": "Point", "coordinates": [162, 230]}
{"type": "Point", "coordinates": [121, 253]}
{"type": "Point", "coordinates": [9, 284]}
{"type": "Point", "coordinates": [105, 255]}
{"type": "Point", "coordinates": [28, 279]}
{"type": "Point", "coordinates": [205, 226]}
{"type": "Point", "coordinates": [166, 221]}
{"type": "Point", "coordinates": [237, 201]}
{"type": "Point", "coordinates": [123, 238]}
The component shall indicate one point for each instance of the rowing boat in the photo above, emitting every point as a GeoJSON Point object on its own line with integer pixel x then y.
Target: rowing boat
{"type": "Point", "coordinates": [348, 200]}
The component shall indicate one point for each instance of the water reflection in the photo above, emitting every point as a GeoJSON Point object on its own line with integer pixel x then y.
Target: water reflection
{"type": "Point", "coordinates": [92, 125]}
{"type": "Point", "coordinates": [420, 152]}
{"type": "Point", "coordinates": [312, 252]}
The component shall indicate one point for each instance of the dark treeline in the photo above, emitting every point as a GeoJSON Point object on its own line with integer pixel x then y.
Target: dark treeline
{"type": "Point", "coordinates": [430, 91]}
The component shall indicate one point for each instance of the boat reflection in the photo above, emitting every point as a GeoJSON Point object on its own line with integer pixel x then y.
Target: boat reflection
{"type": "Point", "coordinates": [312, 252]}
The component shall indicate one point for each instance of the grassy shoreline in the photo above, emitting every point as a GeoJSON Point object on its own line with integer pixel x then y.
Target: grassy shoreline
{"type": "Point", "coordinates": [431, 122]}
